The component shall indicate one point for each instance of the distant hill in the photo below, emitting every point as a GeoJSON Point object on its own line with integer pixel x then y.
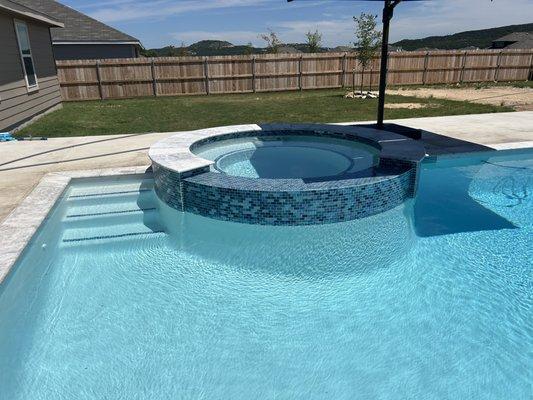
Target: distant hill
{"type": "Point", "coordinates": [219, 48]}
{"type": "Point", "coordinates": [203, 48]}
{"type": "Point", "coordinates": [167, 51]}
{"type": "Point", "coordinates": [304, 47]}
{"type": "Point", "coordinates": [211, 45]}
{"type": "Point", "coordinates": [470, 39]}
{"type": "Point", "coordinates": [481, 38]}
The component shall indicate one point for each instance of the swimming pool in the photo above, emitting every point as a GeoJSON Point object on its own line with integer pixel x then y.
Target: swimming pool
{"type": "Point", "coordinates": [121, 296]}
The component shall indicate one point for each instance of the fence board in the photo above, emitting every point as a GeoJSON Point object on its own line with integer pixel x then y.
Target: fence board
{"type": "Point", "coordinates": [168, 76]}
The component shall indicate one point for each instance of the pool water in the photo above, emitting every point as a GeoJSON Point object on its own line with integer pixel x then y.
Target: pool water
{"type": "Point", "coordinates": [120, 297]}
{"type": "Point", "coordinates": [296, 156]}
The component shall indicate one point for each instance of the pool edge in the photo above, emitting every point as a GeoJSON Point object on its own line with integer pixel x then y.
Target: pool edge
{"type": "Point", "coordinates": [21, 224]}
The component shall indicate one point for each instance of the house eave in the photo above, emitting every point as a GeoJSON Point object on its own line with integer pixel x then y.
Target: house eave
{"type": "Point", "coordinates": [32, 15]}
{"type": "Point", "coordinates": [135, 43]}
{"type": "Point", "coordinates": [77, 42]}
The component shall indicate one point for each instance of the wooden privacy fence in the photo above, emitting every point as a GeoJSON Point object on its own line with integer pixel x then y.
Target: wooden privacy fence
{"type": "Point", "coordinates": [170, 76]}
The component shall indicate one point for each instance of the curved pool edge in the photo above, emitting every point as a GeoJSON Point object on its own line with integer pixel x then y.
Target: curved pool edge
{"type": "Point", "coordinates": [175, 153]}
{"type": "Point", "coordinates": [185, 181]}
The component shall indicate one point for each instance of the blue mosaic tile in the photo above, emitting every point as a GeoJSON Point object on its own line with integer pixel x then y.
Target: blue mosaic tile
{"type": "Point", "coordinates": [288, 201]}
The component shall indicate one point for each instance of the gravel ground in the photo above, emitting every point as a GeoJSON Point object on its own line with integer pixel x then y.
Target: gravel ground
{"type": "Point", "coordinates": [521, 99]}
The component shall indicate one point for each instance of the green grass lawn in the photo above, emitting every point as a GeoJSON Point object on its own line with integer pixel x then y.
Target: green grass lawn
{"type": "Point", "coordinates": [195, 112]}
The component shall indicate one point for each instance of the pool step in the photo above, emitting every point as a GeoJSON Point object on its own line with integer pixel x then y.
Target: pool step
{"type": "Point", "coordinates": [103, 208]}
{"type": "Point", "coordinates": [109, 188]}
{"type": "Point", "coordinates": [119, 217]}
{"type": "Point", "coordinates": [117, 212]}
{"type": "Point", "coordinates": [103, 214]}
{"type": "Point", "coordinates": [139, 197]}
{"type": "Point", "coordinates": [107, 233]}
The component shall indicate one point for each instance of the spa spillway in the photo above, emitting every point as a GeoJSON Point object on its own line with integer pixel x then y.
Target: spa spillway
{"type": "Point", "coordinates": [285, 174]}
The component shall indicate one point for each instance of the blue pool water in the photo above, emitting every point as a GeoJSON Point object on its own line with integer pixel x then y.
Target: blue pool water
{"type": "Point", "coordinates": [295, 156]}
{"type": "Point", "coordinates": [120, 297]}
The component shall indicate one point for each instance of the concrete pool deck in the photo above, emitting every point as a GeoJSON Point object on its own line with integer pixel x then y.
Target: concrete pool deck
{"type": "Point", "coordinates": [23, 164]}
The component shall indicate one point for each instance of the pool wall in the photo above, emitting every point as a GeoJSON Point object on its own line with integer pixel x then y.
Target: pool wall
{"type": "Point", "coordinates": [208, 195]}
{"type": "Point", "coordinates": [199, 190]}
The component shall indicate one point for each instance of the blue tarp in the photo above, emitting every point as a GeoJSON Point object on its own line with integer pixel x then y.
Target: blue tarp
{"type": "Point", "coordinates": [6, 137]}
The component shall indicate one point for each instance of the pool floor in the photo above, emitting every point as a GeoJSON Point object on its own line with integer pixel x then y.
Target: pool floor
{"type": "Point", "coordinates": [121, 297]}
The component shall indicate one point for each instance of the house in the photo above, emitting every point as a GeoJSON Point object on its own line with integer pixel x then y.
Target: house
{"type": "Point", "coordinates": [84, 37]}
{"type": "Point", "coordinates": [28, 77]}
{"type": "Point", "coordinates": [394, 49]}
{"type": "Point", "coordinates": [515, 40]}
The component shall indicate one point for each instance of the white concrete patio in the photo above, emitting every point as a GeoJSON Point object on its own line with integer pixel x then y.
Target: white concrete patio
{"type": "Point", "coordinates": [23, 164]}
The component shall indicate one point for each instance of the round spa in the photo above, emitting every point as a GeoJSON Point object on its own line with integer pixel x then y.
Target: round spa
{"type": "Point", "coordinates": [283, 174]}
{"type": "Point", "coordinates": [288, 156]}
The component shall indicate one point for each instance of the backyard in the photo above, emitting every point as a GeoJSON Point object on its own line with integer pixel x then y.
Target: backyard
{"type": "Point", "coordinates": [164, 114]}
{"type": "Point", "coordinates": [342, 212]}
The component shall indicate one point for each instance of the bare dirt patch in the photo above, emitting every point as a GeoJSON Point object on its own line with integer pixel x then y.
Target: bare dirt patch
{"type": "Point", "coordinates": [374, 95]}
{"type": "Point", "coordinates": [519, 98]}
{"type": "Point", "coordinates": [411, 106]}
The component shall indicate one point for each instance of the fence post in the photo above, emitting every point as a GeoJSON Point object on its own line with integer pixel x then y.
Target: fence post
{"type": "Point", "coordinates": [154, 85]}
{"type": "Point", "coordinates": [424, 74]}
{"type": "Point", "coordinates": [253, 74]}
{"type": "Point", "coordinates": [344, 64]}
{"type": "Point", "coordinates": [206, 73]}
{"type": "Point", "coordinates": [530, 72]}
{"type": "Point", "coordinates": [99, 80]}
{"type": "Point", "coordinates": [300, 73]}
{"type": "Point", "coordinates": [462, 74]}
{"type": "Point", "coordinates": [497, 70]}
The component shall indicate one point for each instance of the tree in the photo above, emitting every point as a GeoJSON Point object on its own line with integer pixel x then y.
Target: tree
{"type": "Point", "coordinates": [171, 51]}
{"type": "Point", "coordinates": [248, 48]}
{"type": "Point", "coordinates": [183, 50]}
{"type": "Point", "coordinates": [272, 41]}
{"type": "Point", "coordinates": [367, 41]}
{"type": "Point", "coordinates": [314, 41]}
{"type": "Point", "coordinates": [149, 53]}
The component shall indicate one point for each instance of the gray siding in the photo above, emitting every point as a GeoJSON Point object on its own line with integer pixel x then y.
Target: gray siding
{"type": "Point", "coordinates": [93, 51]}
{"type": "Point", "coordinates": [16, 104]}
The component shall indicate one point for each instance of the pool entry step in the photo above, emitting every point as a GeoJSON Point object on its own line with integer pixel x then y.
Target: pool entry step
{"type": "Point", "coordinates": [114, 212]}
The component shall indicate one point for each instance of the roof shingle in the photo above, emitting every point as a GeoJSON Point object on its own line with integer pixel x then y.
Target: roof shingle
{"type": "Point", "coordinates": [78, 26]}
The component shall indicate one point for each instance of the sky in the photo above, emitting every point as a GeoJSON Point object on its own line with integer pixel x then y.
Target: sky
{"type": "Point", "coordinates": [162, 22]}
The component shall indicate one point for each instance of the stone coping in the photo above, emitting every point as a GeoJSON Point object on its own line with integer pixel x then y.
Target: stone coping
{"type": "Point", "coordinates": [512, 145]}
{"type": "Point", "coordinates": [22, 223]}
{"type": "Point", "coordinates": [174, 153]}
{"type": "Point", "coordinates": [482, 154]}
